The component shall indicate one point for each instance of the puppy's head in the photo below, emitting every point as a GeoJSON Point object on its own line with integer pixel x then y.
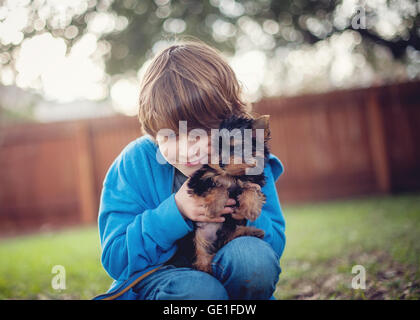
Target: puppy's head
{"type": "Point", "coordinates": [241, 142]}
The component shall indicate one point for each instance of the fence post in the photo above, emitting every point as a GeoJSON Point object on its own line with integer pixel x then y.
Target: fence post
{"type": "Point", "coordinates": [377, 138]}
{"type": "Point", "coordinates": [86, 179]}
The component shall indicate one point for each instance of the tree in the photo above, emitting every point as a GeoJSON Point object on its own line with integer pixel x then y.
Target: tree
{"type": "Point", "coordinates": [131, 28]}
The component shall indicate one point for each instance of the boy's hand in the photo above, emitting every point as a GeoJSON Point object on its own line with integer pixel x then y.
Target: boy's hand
{"type": "Point", "coordinates": [193, 209]}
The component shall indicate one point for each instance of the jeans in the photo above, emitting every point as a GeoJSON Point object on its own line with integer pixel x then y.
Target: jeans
{"type": "Point", "coordinates": [245, 268]}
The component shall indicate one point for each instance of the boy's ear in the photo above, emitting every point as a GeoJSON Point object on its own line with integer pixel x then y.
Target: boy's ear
{"type": "Point", "coordinates": [262, 122]}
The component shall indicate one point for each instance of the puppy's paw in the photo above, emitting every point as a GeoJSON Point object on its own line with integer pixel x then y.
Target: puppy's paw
{"type": "Point", "coordinates": [242, 231]}
{"type": "Point", "coordinates": [215, 201]}
{"type": "Point", "coordinates": [250, 204]}
{"type": "Point", "coordinates": [203, 263]}
{"type": "Point", "coordinates": [255, 232]}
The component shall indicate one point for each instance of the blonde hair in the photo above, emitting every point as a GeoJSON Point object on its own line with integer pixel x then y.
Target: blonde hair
{"type": "Point", "coordinates": [189, 81]}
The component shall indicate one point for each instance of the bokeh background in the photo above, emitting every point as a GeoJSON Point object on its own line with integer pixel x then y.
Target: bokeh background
{"type": "Point", "coordinates": [340, 80]}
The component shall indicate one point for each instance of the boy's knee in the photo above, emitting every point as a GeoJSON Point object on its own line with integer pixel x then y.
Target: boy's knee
{"type": "Point", "coordinates": [193, 285]}
{"type": "Point", "coordinates": [249, 255]}
{"type": "Point", "coordinates": [249, 266]}
{"type": "Point", "coordinates": [206, 287]}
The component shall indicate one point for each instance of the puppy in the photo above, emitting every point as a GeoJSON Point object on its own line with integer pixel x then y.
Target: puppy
{"type": "Point", "coordinates": [216, 183]}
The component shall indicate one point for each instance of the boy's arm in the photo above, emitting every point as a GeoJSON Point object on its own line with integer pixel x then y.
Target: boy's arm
{"type": "Point", "coordinates": [271, 219]}
{"type": "Point", "coordinates": [133, 236]}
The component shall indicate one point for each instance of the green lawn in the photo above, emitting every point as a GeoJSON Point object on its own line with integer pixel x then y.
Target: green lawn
{"type": "Point", "coordinates": [26, 265]}
{"type": "Point", "coordinates": [324, 242]}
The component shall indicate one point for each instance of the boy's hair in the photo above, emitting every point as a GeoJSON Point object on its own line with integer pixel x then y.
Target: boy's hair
{"type": "Point", "coordinates": [189, 81]}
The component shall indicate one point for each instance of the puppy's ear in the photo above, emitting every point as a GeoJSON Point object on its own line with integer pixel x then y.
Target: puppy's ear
{"type": "Point", "coordinates": [262, 122]}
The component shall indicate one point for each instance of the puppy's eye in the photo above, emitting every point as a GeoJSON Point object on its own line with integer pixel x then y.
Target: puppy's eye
{"type": "Point", "coordinates": [222, 165]}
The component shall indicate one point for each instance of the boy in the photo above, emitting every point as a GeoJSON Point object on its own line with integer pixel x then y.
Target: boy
{"type": "Point", "coordinates": [145, 215]}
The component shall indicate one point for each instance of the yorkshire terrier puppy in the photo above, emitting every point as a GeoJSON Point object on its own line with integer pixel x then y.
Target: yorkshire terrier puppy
{"type": "Point", "coordinates": [216, 183]}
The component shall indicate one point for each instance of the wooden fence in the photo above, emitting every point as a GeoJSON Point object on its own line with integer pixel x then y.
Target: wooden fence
{"type": "Point", "coordinates": [347, 143]}
{"type": "Point", "coordinates": [338, 144]}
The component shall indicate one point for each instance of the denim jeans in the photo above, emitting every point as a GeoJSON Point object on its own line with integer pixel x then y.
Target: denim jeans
{"type": "Point", "coordinates": [245, 268]}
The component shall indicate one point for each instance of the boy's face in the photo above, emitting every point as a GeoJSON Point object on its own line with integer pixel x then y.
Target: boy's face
{"type": "Point", "coordinates": [187, 155]}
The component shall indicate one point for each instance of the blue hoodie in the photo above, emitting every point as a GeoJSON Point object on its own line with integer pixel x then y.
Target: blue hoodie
{"type": "Point", "coordinates": [139, 221]}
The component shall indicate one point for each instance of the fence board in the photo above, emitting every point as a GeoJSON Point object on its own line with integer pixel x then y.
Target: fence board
{"type": "Point", "coordinates": [337, 144]}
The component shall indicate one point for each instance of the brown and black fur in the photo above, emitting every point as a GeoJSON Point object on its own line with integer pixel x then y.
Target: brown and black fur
{"type": "Point", "coordinates": [216, 183]}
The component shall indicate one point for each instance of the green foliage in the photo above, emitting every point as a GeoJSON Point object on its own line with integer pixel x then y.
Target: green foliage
{"type": "Point", "coordinates": [148, 21]}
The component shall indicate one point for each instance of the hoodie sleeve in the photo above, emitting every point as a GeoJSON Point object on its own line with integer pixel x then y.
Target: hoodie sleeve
{"type": "Point", "coordinates": [271, 219]}
{"type": "Point", "coordinates": [133, 235]}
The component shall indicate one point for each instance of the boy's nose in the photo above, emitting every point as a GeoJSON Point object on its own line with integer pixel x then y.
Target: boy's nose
{"type": "Point", "coordinates": [191, 151]}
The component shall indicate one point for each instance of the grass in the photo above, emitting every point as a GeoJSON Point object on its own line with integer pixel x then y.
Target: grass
{"type": "Point", "coordinates": [26, 265]}
{"type": "Point", "coordinates": [324, 242]}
